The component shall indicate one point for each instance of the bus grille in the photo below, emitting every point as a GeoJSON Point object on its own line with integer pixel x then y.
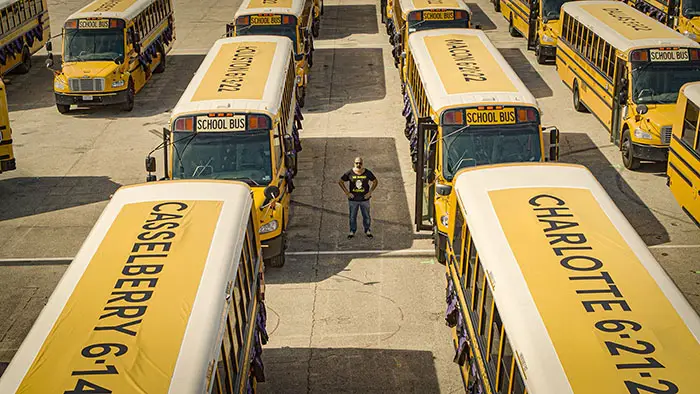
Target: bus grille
{"type": "Point", "coordinates": [87, 84]}
{"type": "Point", "coordinates": [666, 133]}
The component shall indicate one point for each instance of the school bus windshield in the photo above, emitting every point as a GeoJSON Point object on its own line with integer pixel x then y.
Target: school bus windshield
{"type": "Point", "coordinates": [414, 26]}
{"type": "Point", "coordinates": [660, 82]}
{"type": "Point", "coordinates": [243, 156]}
{"type": "Point", "coordinates": [551, 9]}
{"type": "Point", "coordinates": [478, 145]}
{"type": "Point", "coordinates": [288, 30]}
{"type": "Point", "coordinates": [93, 44]}
{"type": "Point", "coordinates": [691, 8]}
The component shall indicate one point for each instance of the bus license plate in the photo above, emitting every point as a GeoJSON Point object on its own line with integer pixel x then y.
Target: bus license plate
{"type": "Point", "coordinates": [490, 116]}
{"type": "Point", "coordinates": [266, 20]}
{"type": "Point", "coordinates": [677, 55]}
{"type": "Point", "coordinates": [87, 98]}
{"type": "Point", "coordinates": [229, 123]}
{"type": "Point", "coordinates": [438, 15]}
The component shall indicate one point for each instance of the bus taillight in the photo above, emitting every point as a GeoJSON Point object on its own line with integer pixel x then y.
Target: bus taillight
{"type": "Point", "coordinates": [184, 124]}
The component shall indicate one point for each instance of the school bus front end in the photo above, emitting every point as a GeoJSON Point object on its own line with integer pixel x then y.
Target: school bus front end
{"type": "Point", "coordinates": [656, 76]}
{"type": "Point", "coordinates": [94, 71]}
{"type": "Point", "coordinates": [236, 146]}
{"type": "Point", "coordinates": [283, 26]}
{"type": "Point", "coordinates": [7, 156]}
{"type": "Point", "coordinates": [548, 30]}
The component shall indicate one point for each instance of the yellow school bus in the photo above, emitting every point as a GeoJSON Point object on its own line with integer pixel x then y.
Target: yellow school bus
{"type": "Point", "coordinates": [682, 15]}
{"type": "Point", "coordinates": [409, 16]}
{"type": "Point", "coordinates": [537, 21]}
{"type": "Point", "coordinates": [465, 107]}
{"type": "Point", "coordinates": [551, 290]}
{"type": "Point", "coordinates": [166, 295]}
{"type": "Point", "coordinates": [684, 160]}
{"type": "Point", "coordinates": [626, 69]}
{"type": "Point", "coordinates": [24, 29]}
{"type": "Point", "coordinates": [286, 18]}
{"type": "Point", "coordinates": [110, 50]}
{"type": "Point", "coordinates": [7, 155]}
{"type": "Point", "coordinates": [237, 120]}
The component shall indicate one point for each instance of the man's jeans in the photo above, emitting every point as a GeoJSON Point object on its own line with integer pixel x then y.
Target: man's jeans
{"type": "Point", "coordinates": [364, 207]}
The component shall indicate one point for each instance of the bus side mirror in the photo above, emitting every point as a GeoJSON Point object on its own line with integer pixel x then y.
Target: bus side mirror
{"type": "Point", "coordinates": [150, 164]}
{"type": "Point", "coordinates": [552, 143]}
{"type": "Point", "coordinates": [271, 192]}
{"type": "Point", "coordinates": [443, 190]}
{"type": "Point", "coordinates": [49, 46]}
{"type": "Point", "coordinates": [230, 28]}
{"type": "Point", "coordinates": [642, 109]}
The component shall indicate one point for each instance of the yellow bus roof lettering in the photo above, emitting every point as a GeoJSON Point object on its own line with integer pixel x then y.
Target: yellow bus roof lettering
{"type": "Point", "coordinates": [581, 273]}
{"type": "Point", "coordinates": [239, 72]}
{"type": "Point", "coordinates": [109, 6]}
{"type": "Point", "coordinates": [464, 64]}
{"type": "Point", "coordinates": [149, 262]}
{"type": "Point", "coordinates": [270, 4]}
{"type": "Point", "coordinates": [631, 25]}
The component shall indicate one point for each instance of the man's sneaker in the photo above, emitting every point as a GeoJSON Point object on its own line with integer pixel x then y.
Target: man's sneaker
{"type": "Point", "coordinates": [351, 234]}
{"type": "Point", "coordinates": [369, 234]}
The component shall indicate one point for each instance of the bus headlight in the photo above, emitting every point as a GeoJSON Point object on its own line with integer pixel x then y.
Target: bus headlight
{"type": "Point", "coordinates": [546, 38]}
{"type": "Point", "coordinates": [269, 227]}
{"type": "Point", "coordinates": [59, 84]}
{"type": "Point", "coordinates": [641, 134]}
{"type": "Point", "coordinates": [445, 220]}
{"type": "Point", "coordinates": [118, 84]}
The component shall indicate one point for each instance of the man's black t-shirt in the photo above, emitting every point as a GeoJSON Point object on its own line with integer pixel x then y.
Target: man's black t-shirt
{"type": "Point", "coordinates": [358, 183]}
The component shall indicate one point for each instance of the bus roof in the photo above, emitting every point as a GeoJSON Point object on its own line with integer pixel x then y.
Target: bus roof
{"type": "Point", "coordinates": [260, 65]}
{"type": "Point", "coordinates": [624, 27]}
{"type": "Point", "coordinates": [557, 252]}
{"type": "Point", "coordinates": [692, 92]}
{"type": "Point", "coordinates": [416, 5]}
{"type": "Point", "coordinates": [162, 338]}
{"type": "Point", "coordinates": [290, 7]}
{"type": "Point", "coordinates": [462, 67]}
{"type": "Point", "coordinates": [120, 9]}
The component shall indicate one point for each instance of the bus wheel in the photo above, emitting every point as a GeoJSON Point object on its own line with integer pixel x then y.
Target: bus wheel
{"type": "Point", "coordinates": [301, 95]}
{"type": "Point", "coordinates": [278, 261]}
{"type": "Point", "coordinates": [497, 5]}
{"type": "Point", "coordinates": [628, 159]}
{"type": "Point", "coordinates": [511, 28]}
{"type": "Point", "coordinates": [578, 104]}
{"type": "Point", "coordinates": [130, 94]}
{"type": "Point", "coordinates": [440, 254]}
{"type": "Point", "coordinates": [26, 63]}
{"type": "Point", "coordinates": [62, 108]}
{"type": "Point", "coordinates": [161, 65]}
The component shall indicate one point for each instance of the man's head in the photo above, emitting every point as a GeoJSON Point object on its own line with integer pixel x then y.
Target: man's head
{"type": "Point", "coordinates": [358, 162]}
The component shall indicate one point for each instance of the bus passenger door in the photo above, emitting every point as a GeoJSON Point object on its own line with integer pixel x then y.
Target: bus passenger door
{"type": "Point", "coordinates": [425, 174]}
{"type": "Point", "coordinates": [532, 24]}
{"type": "Point", "coordinates": [619, 100]}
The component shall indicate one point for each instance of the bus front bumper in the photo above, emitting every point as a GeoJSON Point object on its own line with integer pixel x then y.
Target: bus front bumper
{"type": "Point", "coordinates": [92, 100]}
{"type": "Point", "coordinates": [7, 165]}
{"type": "Point", "coordinates": [272, 247]}
{"type": "Point", "coordinates": [650, 153]}
{"type": "Point", "coordinates": [548, 51]}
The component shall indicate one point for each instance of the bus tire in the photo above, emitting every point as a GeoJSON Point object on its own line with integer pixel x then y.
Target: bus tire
{"type": "Point", "coordinates": [497, 5]}
{"type": "Point", "coordinates": [63, 108]}
{"type": "Point", "coordinates": [628, 159]}
{"type": "Point", "coordinates": [440, 254]}
{"type": "Point", "coordinates": [26, 64]}
{"type": "Point", "coordinates": [278, 261]}
{"type": "Point", "coordinates": [578, 104]}
{"type": "Point", "coordinates": [511, 28]}
{"type": "Point", "coordinates": [301, 96]}
{"type": "Point", "coordinates": [161, 66]}
{"type": "Point", "coordinates": [128, 106]}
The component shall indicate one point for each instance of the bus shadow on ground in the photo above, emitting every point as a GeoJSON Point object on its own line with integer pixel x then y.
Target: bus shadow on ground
{"type": "Point", "coordinates": [340, 21]}
{"type": "Point", "coordinates": [348, 370]}
{"type": "Point", "coordinates": [635, 210]}
{"type": "Point", "coordinates": [23, 196]}
{"type": "Point", "coordinates": [344, 76]}
{"type": "Point", "coordinates": [479, 17]}
{"type": "Point", "coordinates": [161, 93]}
{"type": "Point", "coordinates": [530, 77]}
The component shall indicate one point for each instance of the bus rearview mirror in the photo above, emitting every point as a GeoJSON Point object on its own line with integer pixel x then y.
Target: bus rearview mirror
{"type": "Point", "coordinates": [49, 46]}
{"type": "Point", "coordinates": [151, 164]}
{"type": "Point", "coordinates": [554, 136]}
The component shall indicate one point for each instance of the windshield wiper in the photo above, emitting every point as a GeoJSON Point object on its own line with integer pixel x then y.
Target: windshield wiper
{"type": "Point", "coordinates": [246, 180]}
{"type": "Point", "coordinates": [181, 167]}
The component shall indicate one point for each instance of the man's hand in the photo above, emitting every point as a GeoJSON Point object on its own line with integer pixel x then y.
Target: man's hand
{"type": "Point", "coordinates": [368, 195]}
{"type": "Point", "coordinates": [348, 194]}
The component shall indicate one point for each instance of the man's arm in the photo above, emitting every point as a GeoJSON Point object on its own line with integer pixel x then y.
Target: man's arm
{"type": "Point", "coordinates": [375, 183]}
{"type": "Point", "coordinates": [341, 182]}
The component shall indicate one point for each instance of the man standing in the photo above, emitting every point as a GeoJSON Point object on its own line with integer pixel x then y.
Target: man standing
{"type": "Point", "coordinates": [359, 191]}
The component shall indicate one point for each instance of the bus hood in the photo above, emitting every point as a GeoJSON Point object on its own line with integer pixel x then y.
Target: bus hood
{"type": "Point", "coordinates": [659, 116]}
{"type": "Point", "coordinates": [98, 69]}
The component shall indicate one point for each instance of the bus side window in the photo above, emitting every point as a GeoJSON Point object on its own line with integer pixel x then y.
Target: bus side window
{"type": "Point", "coordinates": [465, 257]}
{"type": "Point", "coordinates": [518, 383]}
{"type": "Point", "coordinates": [690, 125]}
{"type": "Point", "coordinates": [32, 7]}
{"type": "Point", "coordinates": [224, 372]}
{"type": "Point", "coordinates": [471, 270]}
{"type": "Point", "coordinates": [230, 344]}
{"type": "Point", "coordinates": [240, 312]}
{"type": "Point", "coordinates": [505, 366]}
{"type": "Point", "coordinates": [478, 287]}
{"type": "Point", "coordinates": [277, 146]}
{"type": "Point", "coordinates": [458, 230]}
{"type": "Point", "coordinates": [486, 312]}
{"type": "Point", "coordinates": [494, 339]}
